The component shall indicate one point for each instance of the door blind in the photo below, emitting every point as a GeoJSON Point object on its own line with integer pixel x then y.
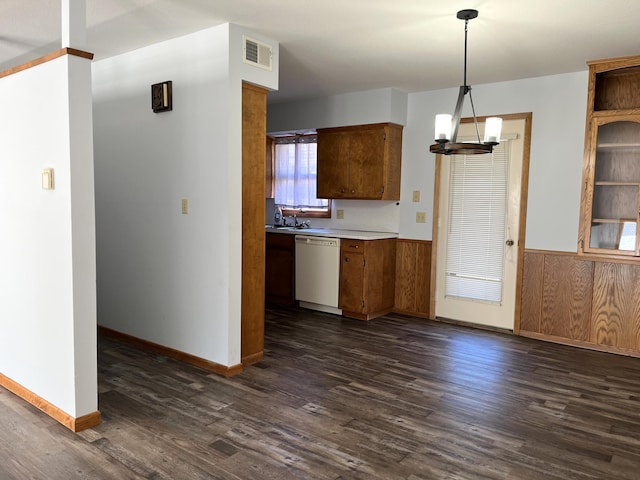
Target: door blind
{"type": "Point", "coordinates": [477, 221]}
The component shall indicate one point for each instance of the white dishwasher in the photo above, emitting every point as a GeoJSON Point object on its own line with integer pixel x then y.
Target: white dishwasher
{"type": "Point", "coordinates": [318, 273]}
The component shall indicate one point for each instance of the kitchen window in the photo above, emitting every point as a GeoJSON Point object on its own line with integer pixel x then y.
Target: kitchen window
{"type": "Point", "coordinates": [295, 177]}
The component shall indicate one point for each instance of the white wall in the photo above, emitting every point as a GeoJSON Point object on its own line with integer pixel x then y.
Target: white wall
{"type": "Point", "coordinates": [47, 239]}
{"type": "Point", "coordinates": [558, 104]}
{"type": "Point", "coordinates": [370, 216]}
{"type": "Point", "coordinates": [371, 106]}
{"type": "Point", "coordinates": [163, 276]}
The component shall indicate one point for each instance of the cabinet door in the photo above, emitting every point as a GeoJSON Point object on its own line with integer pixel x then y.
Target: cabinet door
{"type": "Point", "coordinates": [333, 165]}
{"type": "Point", "coordinates": [280, 269]}
{"type": "Point", "coordinates": [366, 163]}
{"type": "Point", "coordinates": [615, 186]}
{"type": "Point", "coordinates": [352, 282]}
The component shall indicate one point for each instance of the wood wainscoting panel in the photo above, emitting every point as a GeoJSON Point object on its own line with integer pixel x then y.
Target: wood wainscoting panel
{"type": "Point", "coordinates": [413, 277]}
{"type": "Point", "coordinates": [76, 424]}
{"type": "Point", "coordinates": [615, 319]}
{"type": "Point", "coordinates": [580, 300]}
{"type": "Point", "coordinates": [531, 297]}
{"type": "Point", "coordinates": [566, 301]}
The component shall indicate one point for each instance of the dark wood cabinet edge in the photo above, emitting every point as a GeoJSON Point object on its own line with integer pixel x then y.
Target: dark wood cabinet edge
{"type": "Point", "coordinates": [580, 343]}
{"type": "Point", "coordinates": [224, 370]}
{"type": "Point", "coordinates": [47, 58]}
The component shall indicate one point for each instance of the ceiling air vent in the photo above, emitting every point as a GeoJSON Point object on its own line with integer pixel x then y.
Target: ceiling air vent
{"type": "Point", "coordinates": [257, 53]}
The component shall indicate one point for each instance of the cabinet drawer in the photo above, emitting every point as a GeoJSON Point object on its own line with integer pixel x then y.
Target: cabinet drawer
{"type": "Point", "coordinates": [355, 246]}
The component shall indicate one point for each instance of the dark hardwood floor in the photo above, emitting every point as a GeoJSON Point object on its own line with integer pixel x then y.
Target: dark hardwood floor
{"type": "Point", "coordinates": [394, 398]}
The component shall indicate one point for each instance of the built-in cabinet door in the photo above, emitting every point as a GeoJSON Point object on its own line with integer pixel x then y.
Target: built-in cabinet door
{"type": "Point", "coordinates": [615, 186]}
{"type": "Point", "coordinates": [333, 174]}
{"type": "Point", "coordinates": [280, 269]}
{"type": "Point", "coordinates": [360, 162]}
{"type": "Point", "coordinates": [352, 282]}
{"type": "Point", "coordinates": [366, 163]}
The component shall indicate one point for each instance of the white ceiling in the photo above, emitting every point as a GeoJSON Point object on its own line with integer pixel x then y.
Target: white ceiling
{"type": "Point", "coordinates": [338, 46]}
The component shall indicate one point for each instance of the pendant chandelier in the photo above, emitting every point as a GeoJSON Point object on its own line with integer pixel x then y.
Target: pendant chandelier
{"type": "Point", "coordinates": [446, 134]}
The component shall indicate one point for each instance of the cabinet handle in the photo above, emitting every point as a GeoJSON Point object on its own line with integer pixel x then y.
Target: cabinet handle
{"type": "Point", "coordinates": [354, 246]}
{"type": "Point", "coordinates": [346, 259]}
{"type": "Point", "coordinates": [509, 243]}
{"type": "Point", "coordinates": [353, 191]}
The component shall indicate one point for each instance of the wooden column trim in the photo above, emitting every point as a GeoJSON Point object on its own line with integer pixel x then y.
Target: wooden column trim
{"type": "Point", "coordinates": [254, 156]}
{"type": "Point", "coordinates": [72, 423]}
{"type": "Point", "coordinates": [47, 58]}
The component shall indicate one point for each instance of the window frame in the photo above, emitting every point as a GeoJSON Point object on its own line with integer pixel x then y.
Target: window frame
{"type": "Point", "coordinates": [287, 211]}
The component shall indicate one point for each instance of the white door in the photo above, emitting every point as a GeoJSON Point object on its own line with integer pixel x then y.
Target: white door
{"type": "Point", "coordinates": [478, 225]}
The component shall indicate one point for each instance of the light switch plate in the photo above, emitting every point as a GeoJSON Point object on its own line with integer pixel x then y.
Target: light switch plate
{"type": "Point", "coordinates": [47, 179]}
{"type": "Point", "coordinates": [421, 217]}
{"type": "Point", "coordinates": [185, 206]}
{"type": "Point", "coordinates": [340, 214]}
{"type": "Point", "coordinates": [416, 196]}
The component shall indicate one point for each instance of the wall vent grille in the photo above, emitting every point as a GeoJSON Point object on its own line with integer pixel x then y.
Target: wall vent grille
{"type": "Point", "coordinates": [257, 53]}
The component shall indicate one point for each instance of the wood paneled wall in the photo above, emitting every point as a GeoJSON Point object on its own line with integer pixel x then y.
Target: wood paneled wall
{"type": "Point", "coordinates": [582, 301]}
{"type": "Point", "coordinates": [413, 277]}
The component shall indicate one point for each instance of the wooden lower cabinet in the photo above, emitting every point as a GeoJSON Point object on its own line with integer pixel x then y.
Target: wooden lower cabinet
{"type": "Point", "coordinates": [367, 277]}
{"type": "Point", "coordinates": [280, 269]}
{"type": "Point", "coordinates": [572, 299]}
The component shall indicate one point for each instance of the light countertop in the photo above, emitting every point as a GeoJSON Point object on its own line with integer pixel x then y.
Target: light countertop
{"type": "Point", "coordinates": [333, 233]}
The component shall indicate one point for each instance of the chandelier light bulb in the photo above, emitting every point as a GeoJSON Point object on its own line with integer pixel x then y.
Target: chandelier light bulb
{"type": "Point", "coordinates": [492, 130]}
{"type": "Point", "coordinates": [443, 127]}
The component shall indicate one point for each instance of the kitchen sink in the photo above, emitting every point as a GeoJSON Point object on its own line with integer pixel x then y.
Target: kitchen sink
{"type": "Point", "coordinates": [288, 227]}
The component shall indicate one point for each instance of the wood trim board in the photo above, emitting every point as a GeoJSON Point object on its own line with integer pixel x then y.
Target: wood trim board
{"type": "Point", "coordinates": [47, 58]}
{"type": "Point", "coordinates": [227, 371]}
{"type": "Point", "coordinates": [75, 424]}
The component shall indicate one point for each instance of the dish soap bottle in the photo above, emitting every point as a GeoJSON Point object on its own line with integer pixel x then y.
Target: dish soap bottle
{"type": "Point", "coordinates": [277, 215]}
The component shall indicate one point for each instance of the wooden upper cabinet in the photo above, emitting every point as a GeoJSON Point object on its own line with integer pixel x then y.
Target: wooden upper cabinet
{"type": "Point", "coordinates": [610, 206]}
{"type": "Point", "coordinates": [333, 164]}
{"type": "Point", "coordinates": [360, 162]}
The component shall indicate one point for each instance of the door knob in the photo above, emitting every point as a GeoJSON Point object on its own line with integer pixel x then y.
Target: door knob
{"type": "Point", "coordinates": [509, 243]}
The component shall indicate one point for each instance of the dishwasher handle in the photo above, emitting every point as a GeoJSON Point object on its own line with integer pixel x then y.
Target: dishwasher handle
{"type": "Point", "coordinates": [322, 241]}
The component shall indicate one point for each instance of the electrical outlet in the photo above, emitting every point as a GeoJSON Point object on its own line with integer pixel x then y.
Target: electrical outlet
{"type": "Point", "coordinates": [340, 214]}
{"type": "Point", "coordinates": [416, 196]}
{"type": "Point", "coordinates": [185, 206]}
{"type": "Point", "coordinates": [421, 217]}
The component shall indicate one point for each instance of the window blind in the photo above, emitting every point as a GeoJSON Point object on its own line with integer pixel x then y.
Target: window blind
{"type": "Point", "coordinates": [478, 187]}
